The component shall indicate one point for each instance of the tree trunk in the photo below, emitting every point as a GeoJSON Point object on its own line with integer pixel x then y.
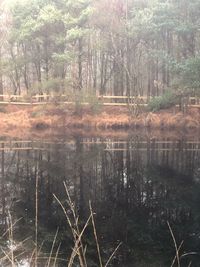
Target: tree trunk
{"type": "Point", "coordinates": [80, 51]}
{"type": "Point", "coordinates": [1, 76]}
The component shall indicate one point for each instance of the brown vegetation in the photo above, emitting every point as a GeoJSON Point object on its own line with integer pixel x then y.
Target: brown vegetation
{"type": "Point", "coordinates": [18, 121]}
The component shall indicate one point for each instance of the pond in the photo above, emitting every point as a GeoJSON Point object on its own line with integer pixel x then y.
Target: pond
{"type": "Point", "coordinates": [143, 192]}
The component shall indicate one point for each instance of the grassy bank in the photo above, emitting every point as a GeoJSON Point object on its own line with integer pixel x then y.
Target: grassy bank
{"type": "Point", "coordinates": [54, 117]}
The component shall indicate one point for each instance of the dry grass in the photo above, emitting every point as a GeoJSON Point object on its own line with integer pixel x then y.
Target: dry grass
{"type": "Point", "coordinates": [79, 250]}
{"type": "Point", "coordinates": [31, 119]}
{"type": "Point", "coordinates": [16, 251]}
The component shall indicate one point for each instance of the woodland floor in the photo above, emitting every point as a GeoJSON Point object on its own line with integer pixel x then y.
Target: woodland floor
{"type": "Point", "coordinates": [48, 120]}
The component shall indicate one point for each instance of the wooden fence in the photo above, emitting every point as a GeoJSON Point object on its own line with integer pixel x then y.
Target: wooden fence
{"type": "Point", "coordinates": [161, 145]}
{"type": "Point", "coordinates": [71, 99]}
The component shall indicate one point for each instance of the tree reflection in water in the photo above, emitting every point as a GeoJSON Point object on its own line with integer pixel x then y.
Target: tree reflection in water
{"type": "Point", "coordinates": [136, 186]}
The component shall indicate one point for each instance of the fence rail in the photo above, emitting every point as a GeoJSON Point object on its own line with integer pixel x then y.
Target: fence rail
{"type": "Point", "coordinates": [156, 145]}
{"type": "Point", "coordinates": [105, 100]}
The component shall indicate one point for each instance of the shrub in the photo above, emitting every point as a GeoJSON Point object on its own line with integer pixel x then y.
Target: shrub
{"type": "Point", "coordinates": [36, 114]}
{"type": "Point", "coordinates": [39, 111]}
{"type": "Point", "coordinates": [92, 100]}
{"type": "Point", "coordinates": [2, 109]}
{"type": "Point", "coordinates": [79, 99]}
{"type": "Point", "coordinates": [167, 100]}
{"type": "Point", "coordinates": [94, 104]}
{"type": "Point", "coordinates": [53, 85]}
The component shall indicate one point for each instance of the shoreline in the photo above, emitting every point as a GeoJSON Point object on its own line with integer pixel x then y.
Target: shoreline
{"type": "Point", "coordinates": [54, 119]}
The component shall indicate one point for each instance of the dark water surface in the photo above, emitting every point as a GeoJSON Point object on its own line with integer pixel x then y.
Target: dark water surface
{"type": "Point", "coordinates": [135, 186]}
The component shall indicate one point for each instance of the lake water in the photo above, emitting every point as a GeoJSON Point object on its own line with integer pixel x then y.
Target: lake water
{"type": "Point", "coordinates": [136, 187]}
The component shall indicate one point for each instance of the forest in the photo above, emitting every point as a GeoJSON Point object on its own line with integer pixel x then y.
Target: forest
{"type": "Point", "coordinates": [117, 47]}
{"type": "Point", "coordinates": [100, 123]}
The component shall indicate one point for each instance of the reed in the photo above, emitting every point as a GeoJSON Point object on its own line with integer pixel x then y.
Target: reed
{"type": "Point", "coordinates": [12, 256]}
{"type": "Point", "coordinates": [79, 249]}
{"type": "Point", "coordinates": [178, 256]}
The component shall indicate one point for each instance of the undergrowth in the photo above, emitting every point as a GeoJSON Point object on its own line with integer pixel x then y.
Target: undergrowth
{"type": "Point", "coordinates": [87, 99]}
{"type": "Point", "coordinates": [167, 100]}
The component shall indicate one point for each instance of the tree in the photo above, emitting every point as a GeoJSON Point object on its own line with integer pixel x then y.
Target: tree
{"type": "Point", "coordinates": [190, 78]}
{"type": "Point", "coordinates": [118, 47]}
